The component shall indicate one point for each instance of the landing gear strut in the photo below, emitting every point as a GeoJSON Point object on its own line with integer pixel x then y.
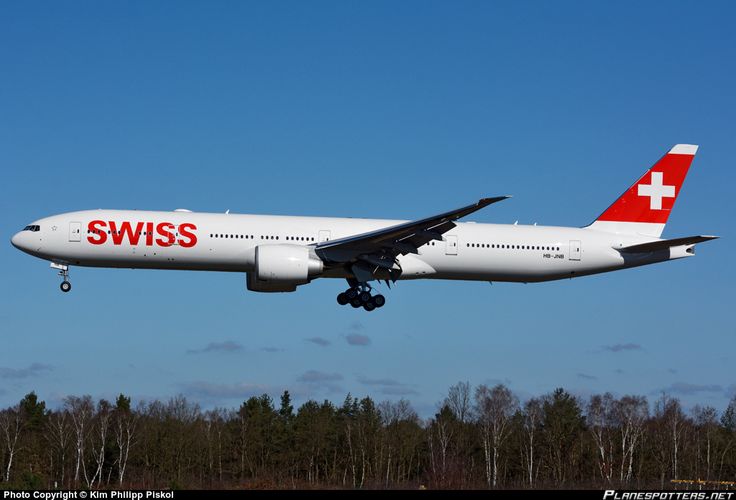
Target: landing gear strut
{"type": "Point", "coordinates": [359, 295]}
{"type": "Point", "coordinates": [64, 273]}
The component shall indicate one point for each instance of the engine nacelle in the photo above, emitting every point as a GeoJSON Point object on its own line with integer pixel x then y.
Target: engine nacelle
{"type": "Point", "coordinates": [281, 268]}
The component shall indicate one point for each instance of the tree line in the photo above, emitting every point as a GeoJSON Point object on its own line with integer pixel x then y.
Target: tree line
{"type": "Point", "coordinates": [481, 437]}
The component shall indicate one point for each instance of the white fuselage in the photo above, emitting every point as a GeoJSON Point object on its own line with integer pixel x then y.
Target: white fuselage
{"type": "Point", "coordinates": [226, 242]}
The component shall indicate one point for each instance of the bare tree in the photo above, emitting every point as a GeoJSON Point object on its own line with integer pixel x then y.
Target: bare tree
{"type": "Point", "coordinates": [532, 420]}
{"type": "Point", "coordinates": [441, 431]}
{"type": "Point", "coordinates": [11, 424]}
{"type": "Point", "coordinates": [214, 423]}
{"type": "Point", "coordinates": [58, 434]}
{"type": "Point", "coordinates": [631, 414]}
{"type": "Point", "coordinates": [706, 420]}
{"type": "Point", "coordinates": [671, 419]}
{"type": "Point", "coordinates": [124, 426]}
{"type": "Point", "coordinates": [458, 400]}
{"type": "Point", "coordinates": [675, 422]}
{"type": "Point", "coordinates": [600, 422]}
{"type": "Point", "coordinates": [81, 411]}
{"type": "Point", "coordinates": [101, 426]}
{"type": "Point", "coordinates": [494, 408]}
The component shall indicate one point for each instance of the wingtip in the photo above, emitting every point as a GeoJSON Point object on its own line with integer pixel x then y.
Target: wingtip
{"type": "Point", "coordinates": [493, 199]}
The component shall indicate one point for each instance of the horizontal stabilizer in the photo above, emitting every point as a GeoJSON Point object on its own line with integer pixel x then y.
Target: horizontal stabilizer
{"type": "Point", "coordinates": [653, 246]}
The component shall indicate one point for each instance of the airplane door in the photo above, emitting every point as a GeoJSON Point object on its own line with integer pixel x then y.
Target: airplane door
{"type": "Point", "coordinates": [574, 249]}
{"type": "Point", "coordinates": [324, 235]}
{"type": "Point", "coordinates": [75, 231]}
{"type": "Point", "coordinates": [451, 242]}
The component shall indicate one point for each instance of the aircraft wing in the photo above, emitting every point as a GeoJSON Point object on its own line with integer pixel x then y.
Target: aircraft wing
{"type": "Point", "coordinates": [376, 250]}
{"type": "Point", "coordinates": [653, 246]}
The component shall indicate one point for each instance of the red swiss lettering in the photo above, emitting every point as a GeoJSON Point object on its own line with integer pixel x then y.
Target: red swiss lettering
{"type": "Point", "coordinates": [97, 228]}
{"type": "Point", "coordinates": [133, 231]}
{"type": "Point", "coordinates": [149, 234]}
{"type": "Point", "coordinates": [163, 230]}
{"type": "Point", "coordinates": [118, 235]}
{"type": "Point", "coordinates": [188, 238]}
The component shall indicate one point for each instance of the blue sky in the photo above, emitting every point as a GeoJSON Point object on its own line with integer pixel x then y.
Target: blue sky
{"type": "Point", "coordinates": [365, 109]}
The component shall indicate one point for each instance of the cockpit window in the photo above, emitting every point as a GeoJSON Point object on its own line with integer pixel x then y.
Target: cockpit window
{"type": "Point", "coordinates": [33, 228]}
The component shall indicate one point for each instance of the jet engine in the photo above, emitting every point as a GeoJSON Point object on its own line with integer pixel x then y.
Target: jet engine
{"type": "Point", "coordinates": [281, 268]}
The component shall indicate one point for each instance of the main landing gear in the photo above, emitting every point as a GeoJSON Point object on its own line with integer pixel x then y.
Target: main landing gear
{"type": "Point", "coordinates": [359, 295]}
{"type": "Point", "coordinates": [64, 273]}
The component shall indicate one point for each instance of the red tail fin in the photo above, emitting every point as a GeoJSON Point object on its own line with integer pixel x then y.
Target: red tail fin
{"type": "Point", "coordinates": [645, 207]}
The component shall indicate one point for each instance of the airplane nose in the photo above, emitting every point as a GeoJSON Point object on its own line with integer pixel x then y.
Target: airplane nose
{"type": "Point", "coordinates": [20, 241]}
{"type": "Point", "coordinates": [15, 240]}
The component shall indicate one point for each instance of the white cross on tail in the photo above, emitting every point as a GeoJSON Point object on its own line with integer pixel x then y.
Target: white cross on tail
{"type": "Point", "coordinates": [656, 191]}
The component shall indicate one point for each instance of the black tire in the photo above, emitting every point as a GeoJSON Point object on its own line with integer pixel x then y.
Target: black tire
{"type": "Point", "coordinates": [342, 299]}
{"type": "Point", "coordinates": [355, 302]}
{"type": "Point", "coordinates": [351, 293]}
{"type": "Point", "coordinates": [369, 306]}
{"type": "Point", "coordinates": [365, 297]}
{"type": "Point", "coordinates": [379, 300]}
{"type": "Point", "coordinates": [65, 286]}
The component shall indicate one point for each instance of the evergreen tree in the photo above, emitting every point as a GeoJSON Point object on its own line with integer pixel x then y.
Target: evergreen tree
{"type": "Point", "coordinates": [286, 412]}
{"type": "Point", "coordinates": [728, 419]}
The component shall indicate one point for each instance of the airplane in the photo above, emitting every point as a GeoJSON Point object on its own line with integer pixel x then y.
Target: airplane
{"type": "Point", "coordinates": [280, 253]}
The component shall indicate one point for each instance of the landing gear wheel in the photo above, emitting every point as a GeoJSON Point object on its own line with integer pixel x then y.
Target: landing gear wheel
{"type": "Point", "coordinates": [359, 295]}
{"type": "Point", "coordinates": [64, 273]}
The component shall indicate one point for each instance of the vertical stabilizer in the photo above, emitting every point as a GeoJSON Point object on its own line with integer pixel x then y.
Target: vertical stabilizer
{"type": "Point", "coordinates": [644, 208]}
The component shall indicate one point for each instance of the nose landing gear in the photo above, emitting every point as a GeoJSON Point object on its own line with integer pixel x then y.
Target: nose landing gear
{"type": "Point", "coordinates": [65, 286]}
{"type": "Point", "coordinates": [359, 295]}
